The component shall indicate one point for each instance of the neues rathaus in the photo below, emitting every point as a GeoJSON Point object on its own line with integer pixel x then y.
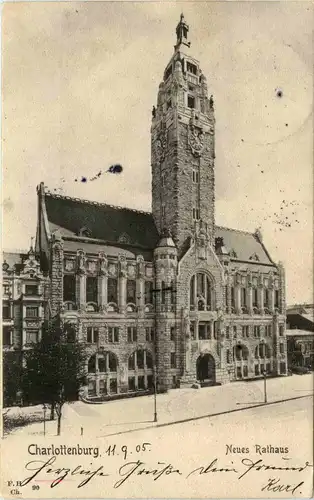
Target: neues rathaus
{"type": "Point", "coordinates": [168, 288]}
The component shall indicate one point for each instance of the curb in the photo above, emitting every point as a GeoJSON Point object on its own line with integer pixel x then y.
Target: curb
{"type": "Point", "coordinates": [190, 419]}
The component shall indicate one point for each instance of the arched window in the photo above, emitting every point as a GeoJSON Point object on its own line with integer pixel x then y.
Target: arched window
{"type": "Point", "coordinates": [201, 293]}
{"type": "Point", "coordinates": [240, 353]}
{"type": "Point", "coordinates": [105, 363]}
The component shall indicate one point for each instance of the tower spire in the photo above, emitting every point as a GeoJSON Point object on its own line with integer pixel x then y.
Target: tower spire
{"type": "Point", "coordinates": [182, 30]}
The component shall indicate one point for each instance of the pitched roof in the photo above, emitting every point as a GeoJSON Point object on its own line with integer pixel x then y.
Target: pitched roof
{"type": "Point", "coordinates": [104, 222]}
{"type": "Point", "coordinates": [133, 228]}
{"type": "Point", "coordinates": [243, 245]}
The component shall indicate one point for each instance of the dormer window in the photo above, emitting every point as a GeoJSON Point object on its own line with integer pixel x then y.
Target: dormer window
{"type": "Point", "coordinates": [191, 102]}
{"type": "Point", "coordinates": [191, 68]}
{"type": "Point", "coordinates": [85, 231]}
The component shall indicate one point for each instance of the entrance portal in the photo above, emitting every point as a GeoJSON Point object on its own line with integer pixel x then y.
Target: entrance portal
{"type": "Point", "coordinates": [205, 369]}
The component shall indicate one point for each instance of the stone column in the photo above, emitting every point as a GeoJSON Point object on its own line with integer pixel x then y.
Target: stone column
{"type": "Point", "coordinates": [261, 299]}
{"type": "Point", "coordinates": [212, 331]}
{"type": "Point", "coordinates": [122, 293]}
{"type": "Point", "coordinates": [97, 376]}
{"type": "Point", "coordinates": [81, 287]}
{"type": "Point", "coordinates": [272, 299]}
{"type": "Point", "coordinates": [140, 296]}
{"type": "Point", "coordinates": [102, 292]}
{"type": "Point", "coordinates": [250, 299]}
{"type": "Point", "coordinates": [238, 299]}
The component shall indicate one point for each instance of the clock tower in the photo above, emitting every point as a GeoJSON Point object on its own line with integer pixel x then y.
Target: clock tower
{"type": "Point", "coordinates": [183, 148]}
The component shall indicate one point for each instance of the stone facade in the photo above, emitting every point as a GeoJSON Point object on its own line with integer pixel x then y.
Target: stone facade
{"type": "Point", "coordinates": [168, 297]}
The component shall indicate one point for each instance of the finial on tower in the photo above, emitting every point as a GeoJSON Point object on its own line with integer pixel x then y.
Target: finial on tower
{"type": "Point", "coordinates": [182, 30]}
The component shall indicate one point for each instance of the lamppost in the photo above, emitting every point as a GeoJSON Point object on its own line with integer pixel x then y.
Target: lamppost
{"type": "Point", "coordinates": [265, 388]}
{"type": "Point", "coordinates": [44, 408]}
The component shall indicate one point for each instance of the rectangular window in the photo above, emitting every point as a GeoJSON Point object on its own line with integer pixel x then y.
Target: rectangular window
{"type": "Point", "coordinates": [255, 299]}
{"type": "Point", "coordinates": [92, 335]}
{"type": "Point", "coordinates": [131, 291]}
{"type": "Point", "coordinates": [281, 348]}
{"type": "Point", "coordinates": [195, 176]}
{"type": "Point", "coordinates": [92, 388]}
{"type": "Point", "coordinates": [163, 211]}
{"type": "Point", "coordinates": [268, 330]}
{"type": "Point", "coordinates": [92, 289]}
{"type": "Point", "coordinates": [226, 296]}
{"type": "Point", "coordinates": [69, 287]}
{"type": "Point", "coordinates": [232, 297]}
{"type": "Point", "coordinates": [243, 297]}
{"type": "Point", "coordinates": [102, 387]}
{"type": "Point", "coordinates": [6, 289]}
{"type": "Point", "coordinates": [227, 332]}
{"type": "Point", "coordinates": [245, 331]}
{"type": "Point", "coordinates": [113, 386]}
{"type": "Point", "coordinates": [132, 334]}
{"type": "Point", "coordinates": [282, 368]}
{"type": "Point", "coordinates": [172, 333]}
{"type": "Point", "coordinates": [32, 312]}
{"type": "Point", "coordinates": [234, 331]}
{"type": "Point", "coordinates": [113, 334]}
{"type": "Point", "coordinates": [31, 336]}
{"type": "Point", "coordinates": [256, 369]}
{"type": "Point", "coordinates": [204, 331]}
{"type": "Point", "coordinates": [141, 383]}
{"type": "Point", "coordinates": [256, 331]}
{"type": "Point", "coordinates": [192, 330]}
{"type": "Point", "coordinates": [163, 292]}
{"type": "Point", "coordinates": [140, 359]}
{"type": "Point", "coordinates": [6, 336]}
{"type": "Point", "coordinates": [266, 297]}
{"type": "Point", "coordinates": [196, 213]}
{"type": "Point", "coordinates": [112, 292]}
{"type": "Point", "coordinates": [239, 372]}
{"type": "Point", "coordinates": [191, 68]}
{"type": "Point", "coordinates": [245, 371]}
{"type": "Point", "coordinates": [149, 334]}
{"type": "Point", "coordinates": [6, 312]}
{"type": "Point", "coordinates": [268, 370]}
{"type": "Point", "coordinates": [149, 286]}
{"type": "Point", "coordinates": [31, 289]}
{"type": "Point", "coordinates": [191, 102]}
{"type": "Point", "coordinates": [131, 384]}
{"type": "Point", "coordinates": [173, 362]}
{"type": "Point", "coordinates": [281, 330]}
{"type": "Point", "coordinates": [277, 299]}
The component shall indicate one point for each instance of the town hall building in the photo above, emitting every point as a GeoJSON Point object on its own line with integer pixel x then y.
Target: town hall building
{"type": "Point", "coordinates": [167, 292]}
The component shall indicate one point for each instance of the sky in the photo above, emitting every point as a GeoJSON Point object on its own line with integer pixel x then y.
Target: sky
{"type": "Point", "coordinates": [79, 82]}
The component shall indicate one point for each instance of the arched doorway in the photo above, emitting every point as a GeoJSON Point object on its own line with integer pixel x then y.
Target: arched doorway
{"type": "Point", "coordinates": [205, 369]}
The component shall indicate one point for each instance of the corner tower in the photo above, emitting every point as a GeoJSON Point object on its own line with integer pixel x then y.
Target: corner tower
{"type": "Point", "coordinates": [183, 148]}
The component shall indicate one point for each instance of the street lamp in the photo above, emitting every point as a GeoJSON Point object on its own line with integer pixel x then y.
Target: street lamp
{"type": "Point", "coordinates": [44, 408]}
{"type": "Point", "coordinates": [265, 388]}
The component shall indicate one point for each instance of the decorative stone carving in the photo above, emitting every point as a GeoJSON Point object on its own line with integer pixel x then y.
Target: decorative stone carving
{"type": "Point", "coordinates": [123, 266]}
{"type": "Point", "coordinates": [69, 265]}
{"type": "Point", "coordinates": [92, 266]}
{"type": "Point", "coordinates": [103, 264]}
{"type": "Point", "coordinates": [140, 266]}
{"type": "Point", "coordinates": [112, 269]}
{"type": "Point", "coordinates": [81, 262]}
{"type": "Point", "coordinates": [161, 145]}
{"type": "Point", "coordinates": [196, 140]}
{"type": "Point", "coordinates": [131, 271]}
{"type": "Point", "coordinates": [149, 271]}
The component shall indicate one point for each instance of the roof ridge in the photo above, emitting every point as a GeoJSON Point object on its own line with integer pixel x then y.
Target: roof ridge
{"type": "Point", "coordinates": [235, 230]}
{"type": "Point", "coordinates": [95, 203]}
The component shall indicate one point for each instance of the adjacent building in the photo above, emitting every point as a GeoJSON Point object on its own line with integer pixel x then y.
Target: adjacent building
{"type": "Point", "coordinates": [24, 299]}
{"type": "Point", "coordinates": [300, 336]}
{"type": "Point", "coordinates": [167, 289]}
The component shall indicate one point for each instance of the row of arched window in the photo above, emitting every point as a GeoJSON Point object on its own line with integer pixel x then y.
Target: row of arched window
{"type": "Point", "coordinates": [107, 362]}
{"type": "Point", "coordinates": [241, 353]}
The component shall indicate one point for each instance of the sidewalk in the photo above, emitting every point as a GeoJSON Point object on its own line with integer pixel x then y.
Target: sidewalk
{"type": "Point", "coordinates": [128, 415]}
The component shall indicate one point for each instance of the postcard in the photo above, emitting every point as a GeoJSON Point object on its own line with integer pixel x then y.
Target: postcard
{"type": "Point", "coordinates": [157, 250]}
